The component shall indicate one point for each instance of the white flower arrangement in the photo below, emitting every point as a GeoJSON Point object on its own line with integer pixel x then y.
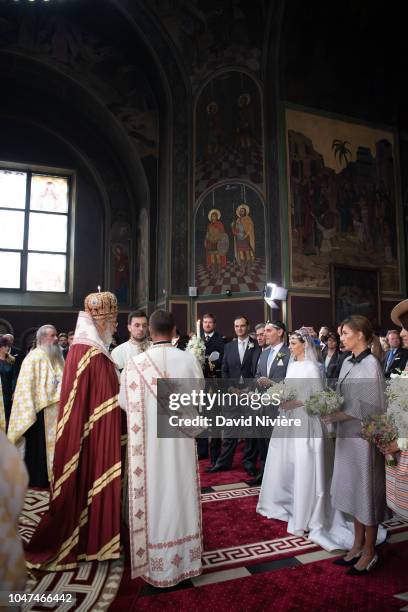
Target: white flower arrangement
{"type": "Point", "coordinates": [284, 390]}
{"type": "Point", "coordinates": [322, 403]}
{"type": "Point", "coordinates": [196, 346]}
{"type": "Point", "coordinates": [397, 395]}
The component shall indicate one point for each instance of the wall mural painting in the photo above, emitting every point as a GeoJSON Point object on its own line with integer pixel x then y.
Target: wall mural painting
{"type": "Point", "coordinates": [342, 196]}
{"type": "Point", "coordinates": [212, 34]}
{"type": "Point", "coordinates": [355, 291]}
{"type": "Point", "coordinates": [230, 241]}
{"type": "Point", "coordinates": [404, 183]}
{"type": "Point", "coordinates": [121, 248]}
{"type": "Point", "coordinates": [228, 131]}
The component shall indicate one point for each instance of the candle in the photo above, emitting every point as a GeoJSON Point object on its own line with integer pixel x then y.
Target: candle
{"type": "Point", "coordinates": [198, 328]}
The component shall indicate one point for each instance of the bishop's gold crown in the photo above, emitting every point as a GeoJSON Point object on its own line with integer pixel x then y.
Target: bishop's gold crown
{"type": "Point", "coordinates": [102, 305]}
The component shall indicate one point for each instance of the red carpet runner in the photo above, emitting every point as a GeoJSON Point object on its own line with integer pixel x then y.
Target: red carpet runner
{"type": "Point", "coordinates": [319, 586]}
{"type": "Point", "coordinates": [253, 563]}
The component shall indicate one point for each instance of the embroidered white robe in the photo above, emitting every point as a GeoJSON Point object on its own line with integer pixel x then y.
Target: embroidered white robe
{"type": "Point", "coordinates": [164, 488]}
{"type": "Point", "coordinates": [122, 353]}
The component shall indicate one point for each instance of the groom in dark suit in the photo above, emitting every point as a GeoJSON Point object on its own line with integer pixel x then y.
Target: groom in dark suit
{"type": "Point", "coordinates": [239, 363]}
{"type": "Point", "coordinates": [214, 344]}
{"type": "Point", "coordinates": [272, 366]}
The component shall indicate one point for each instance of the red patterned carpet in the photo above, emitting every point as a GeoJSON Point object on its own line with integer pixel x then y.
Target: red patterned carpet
{"type": "Point", "coordinates": [93, 585]}
{"type": "Point", "coordinates": [251, 562]}
{"type": "Point", "coordinates": [319, 586]}
{"type": "Point", "coordinates": [235, 521]}
{"type": "Point", "coordinates": [236, 474]}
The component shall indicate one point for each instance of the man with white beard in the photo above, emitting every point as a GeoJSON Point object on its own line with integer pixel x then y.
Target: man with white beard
{"type": "Point", "coordinates": [34, 412]}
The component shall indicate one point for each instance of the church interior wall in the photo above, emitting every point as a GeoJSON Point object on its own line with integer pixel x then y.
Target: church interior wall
{"type": "Point", "coordinates": [171, 118]}
{"type": "Point", "coordinates": [227, 309]}
{"type": "Point", "coordinates": [95, 114]}
{"type": "Point", "coordinates": [357, 84]}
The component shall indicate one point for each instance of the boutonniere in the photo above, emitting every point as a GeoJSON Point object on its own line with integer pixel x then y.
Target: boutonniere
{"type": "Point", "coordinates": [280, 357]}
{"type": "Point", "coordinates": [250, 345]}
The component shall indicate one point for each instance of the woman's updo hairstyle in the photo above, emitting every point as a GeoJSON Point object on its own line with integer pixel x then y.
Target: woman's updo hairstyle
{"type": "Point", "coordinates": [359, 323]}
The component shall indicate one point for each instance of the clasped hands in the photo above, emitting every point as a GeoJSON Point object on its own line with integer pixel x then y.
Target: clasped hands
{"type": "Point", "coordinates": [264, 381]}
{"type": "Point", "coordinates": [389, 449]}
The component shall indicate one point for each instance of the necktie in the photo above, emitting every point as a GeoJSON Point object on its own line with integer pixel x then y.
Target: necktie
{"type": "Point", "coordinates": [241, 348]}
{"type": "Point", "coordinates": [207, 338]}
{"type": "Point", "coordinates": [269, 363]}
{"type": "Point", "coordinates": [390, 358]}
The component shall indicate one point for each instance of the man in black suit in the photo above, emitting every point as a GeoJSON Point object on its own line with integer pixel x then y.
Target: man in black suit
{"type": "Point", "coordinates": [272, 366]}
{"type": "Point", "coordinates": [260, 336]}
{"type": "Point", "coordinates": [396, 357]}
{"type": "Point", "coordinates": [15, 352]}
{"type": "Point", "coordinates": [214, 352]}
{"type": "Point", "coordinates": [63, 344]}
{"type": "Point", "coordinates": [239, 363]}
{"type": "Point", "coordinates": [214, 343]}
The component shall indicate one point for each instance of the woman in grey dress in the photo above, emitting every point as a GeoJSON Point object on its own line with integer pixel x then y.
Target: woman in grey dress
{"type": "Point", "coordinates": [358, 485]}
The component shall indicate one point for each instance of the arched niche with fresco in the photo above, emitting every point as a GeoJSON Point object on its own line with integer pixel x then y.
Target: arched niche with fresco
{"type": "Point", "coordinates": [229, 131]}
{"type": "Point", "coordinates": [230, 240]}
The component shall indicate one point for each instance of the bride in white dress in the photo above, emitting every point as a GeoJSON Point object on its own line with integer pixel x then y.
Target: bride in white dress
{"type": "Point", "coordinates": [298, 470]}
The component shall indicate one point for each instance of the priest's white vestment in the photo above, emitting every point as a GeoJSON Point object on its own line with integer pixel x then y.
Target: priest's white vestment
{"type": "Point", "coordinates": [122, 353]}
{"type": "Point", "coordinates": [165, 525]}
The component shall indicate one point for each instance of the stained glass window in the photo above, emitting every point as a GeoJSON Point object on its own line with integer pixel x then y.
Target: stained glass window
{"type": "Point", "coordinates": [34, 225]}
{"type": "Point", "coordinates": [47, 233]}
{"type": "Point", "coordinates": [49, 193]}
{"type": "Point", "coordinates": [10, 270]}
{"type": "Point", "coordinates": [12, 229]}
{"type": "Point", "coordinates": [13, 186]}
{"type": "Point", "coordinates": [46, 272]}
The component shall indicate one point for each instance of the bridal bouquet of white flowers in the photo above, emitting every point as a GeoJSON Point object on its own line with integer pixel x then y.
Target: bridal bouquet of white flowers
{"type": "Point", "coordinates": [197, 347]}
{"type": "Point", "coordinates": [281, 392]}
{"type": "Point", "coordinates": [397, 395]}
{"type": "Point", "coordinates": [322, 403]}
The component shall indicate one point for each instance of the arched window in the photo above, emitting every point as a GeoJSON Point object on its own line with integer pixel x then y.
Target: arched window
{"type": "Point", "coordinates": [35, 219]}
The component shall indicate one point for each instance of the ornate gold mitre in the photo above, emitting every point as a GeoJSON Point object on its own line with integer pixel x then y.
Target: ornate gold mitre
{"type": "Point", "coordinates": [103, 305]}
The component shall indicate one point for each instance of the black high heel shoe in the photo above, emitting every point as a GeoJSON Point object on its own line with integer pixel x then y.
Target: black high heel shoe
{"type": "Point", "coordinates": [348, 563]}
{"type": "Point", "coordinates": [353, 571]}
